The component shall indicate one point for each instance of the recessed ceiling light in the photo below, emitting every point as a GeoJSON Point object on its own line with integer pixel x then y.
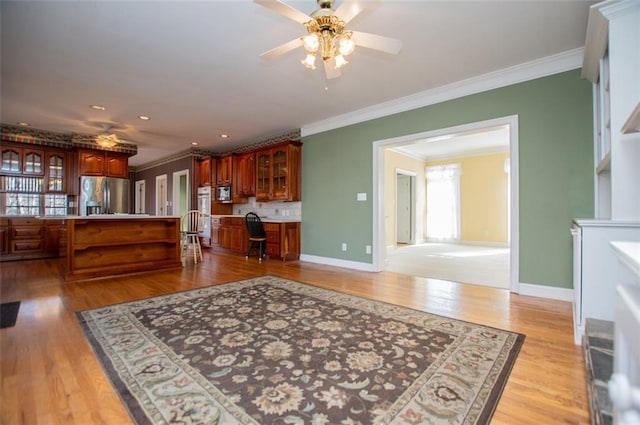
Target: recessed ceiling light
{"type": "Point", "coordinates": [144, 117]}
{"type": "Point", "coordinates": [224, 136]}
{"type": "Point", "coordinates": [194, 143]}
{"type": "Point", "coordinates": [98, 107]}
{"type": "Point", "coordinates": [24, 124]}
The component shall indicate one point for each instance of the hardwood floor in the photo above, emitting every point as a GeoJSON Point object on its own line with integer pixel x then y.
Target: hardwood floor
{"type": "Point", "coordinates": [50, 375]}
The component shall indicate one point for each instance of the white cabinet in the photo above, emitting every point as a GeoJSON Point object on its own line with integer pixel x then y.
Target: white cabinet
{"type": "Point", "coordinates": [612, 64]}
{"type": "Point", "coordinates": [624, 387]}
{"type": "Point", "coordinates": [597, 270]}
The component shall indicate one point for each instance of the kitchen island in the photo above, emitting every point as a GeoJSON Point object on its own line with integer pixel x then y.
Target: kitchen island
{"type": "Point", "coordinates": [108, 245]}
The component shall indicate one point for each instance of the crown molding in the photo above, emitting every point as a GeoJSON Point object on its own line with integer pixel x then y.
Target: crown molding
{"type": "Point", "coordinates": [561, 62]}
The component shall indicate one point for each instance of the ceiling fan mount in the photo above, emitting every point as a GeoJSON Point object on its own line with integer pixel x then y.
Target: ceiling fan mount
{"type": "Point", "coordinates": [326, 35]}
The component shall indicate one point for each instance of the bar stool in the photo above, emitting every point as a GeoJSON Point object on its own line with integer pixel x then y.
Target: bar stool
{"type": "Point", "coordinates": [190, 225]}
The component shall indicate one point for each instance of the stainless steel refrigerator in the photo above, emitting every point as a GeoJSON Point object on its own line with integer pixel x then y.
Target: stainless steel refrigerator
{"type": "Point", "coordinates": [103, 195]}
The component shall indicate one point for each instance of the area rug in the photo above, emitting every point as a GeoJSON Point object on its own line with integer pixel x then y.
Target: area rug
{"type": "Point", "coordinates": [274, 351]}
{"type": "Point", "coordinates": [9, 314]}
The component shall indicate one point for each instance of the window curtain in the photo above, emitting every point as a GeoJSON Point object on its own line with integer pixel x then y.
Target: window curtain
{"type": "Point", "coordinates": [443, 201]}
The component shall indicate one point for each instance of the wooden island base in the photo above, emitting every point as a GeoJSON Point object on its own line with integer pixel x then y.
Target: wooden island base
{"type": "Point", "coordinates": [102, 246]}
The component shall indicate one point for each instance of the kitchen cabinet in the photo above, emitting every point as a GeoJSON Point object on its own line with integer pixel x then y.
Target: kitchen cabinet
{"type": "Point", "coordinates": [103, 163]}
{"type": "Point", "coordinates": [204, 172]}
{"type": "Point", "coordinates": [229, 233]}
{"type": "Point", "coordinates": [278, 173]}
{"type": "Point", "coordinates": [56, 171]}
{"type": "Point", "coordinates": [224, 167]}
{"type": "Point", "coordinates": [244, 175]}
{"type": "Point", "coordinates": [283, 240]}
{"type": "Point", "coordinates": [4, 236]}
{"type": "Point", "coordinates": [26, 236]}
{"type": "Point", "coordinates": [30, 238]}
{"type": "Point", "coordinates": [52, 237]}
{"type": "Point", "coordinates": [25, 161]}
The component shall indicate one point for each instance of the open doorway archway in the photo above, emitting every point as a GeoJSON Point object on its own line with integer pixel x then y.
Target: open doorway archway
{"type": "Point", "coordinates": [380, 221]}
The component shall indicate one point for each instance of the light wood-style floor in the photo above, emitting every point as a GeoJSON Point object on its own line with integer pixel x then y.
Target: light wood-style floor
{"type": "Point", "coordinates": [50, 375]}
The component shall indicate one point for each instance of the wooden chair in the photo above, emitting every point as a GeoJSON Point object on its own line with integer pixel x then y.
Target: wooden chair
{"type": "Point", "coordinates": [190, 225]}
{"type": "Point", "coordinates": [257, 235]}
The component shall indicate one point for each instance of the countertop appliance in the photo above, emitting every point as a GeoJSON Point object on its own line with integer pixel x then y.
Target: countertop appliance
{"type": "Point", "coordinates": [103, 195]}
{"type": "Point", "coordinates": [204, 206]}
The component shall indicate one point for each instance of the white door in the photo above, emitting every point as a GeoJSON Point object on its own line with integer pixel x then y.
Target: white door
{"type": "Point", "coordinates": [403, 208]}
{"type": "Point", "coordinates": [139, 197]}
{"type": "Point", "coordinates": [181, 198]}
{"type": "Point", "coordinates": [161, 195]}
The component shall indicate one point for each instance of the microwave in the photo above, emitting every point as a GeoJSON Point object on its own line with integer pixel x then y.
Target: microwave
{"type": "Point", "coordinates": [223, 193]}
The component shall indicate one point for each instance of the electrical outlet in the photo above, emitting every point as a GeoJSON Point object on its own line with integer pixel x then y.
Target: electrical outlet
{"type": "Point", "coordinates": [367, 249]}
{"type": "Point", "coordinates": [344, 246]}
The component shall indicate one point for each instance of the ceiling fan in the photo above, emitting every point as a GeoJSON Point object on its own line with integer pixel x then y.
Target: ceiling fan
{"type": "Point", "coordinates": [327, 36]}
{"type": "Point", "coordinates": [107, 138]}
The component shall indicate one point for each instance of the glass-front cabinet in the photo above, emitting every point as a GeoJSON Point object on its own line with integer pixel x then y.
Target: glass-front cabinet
{"type": "Point", "coordinates": [33, 181]}
{"type": "Point", "coordinates": [278, 173]}
{"type": "Point", "coordinates": [55, 172]}
{"type": "Point", "coordinates": [11, 161]}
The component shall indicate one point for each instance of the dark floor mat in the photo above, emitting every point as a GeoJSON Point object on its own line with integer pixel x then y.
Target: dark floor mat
{"type": "Point", "coordinates": [9, 314]}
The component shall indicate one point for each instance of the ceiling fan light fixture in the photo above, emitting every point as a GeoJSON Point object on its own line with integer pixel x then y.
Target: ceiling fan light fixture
{"type": "Point", "coordinates": [346, 45]}
{"type": "Point", "coordinates": [311, 42]}
{"type": "Point", "coordinates": [309, 61]}
{"type": "Point", "coordinates": [107, 140]}
{"type": "Point", "coordinates": [340, 61]}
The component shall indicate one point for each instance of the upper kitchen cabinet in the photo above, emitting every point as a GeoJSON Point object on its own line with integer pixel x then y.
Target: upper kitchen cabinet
{"type": "Point", "coordinates": [278, 173]}
{"type": "Point", "coordinates": [26, 161]}
{"type": "Point", "coordinates": [56, 171]}
{"type": "Point", "coordinates": [204, 171]}
{"type": "Point", "coordinates": [224, 168]}
{"type": "Point", "coordinates": [244, 175]}
{"type": "Point", "coordinates": [103, 163]}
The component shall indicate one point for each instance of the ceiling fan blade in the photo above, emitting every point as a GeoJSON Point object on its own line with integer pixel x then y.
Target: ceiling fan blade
{"type": "Point", "coordinates": [282, 49]}
{"type": "Point", "coordinates": [285, 10]}
{"type": "Point", "coordinates": [377, 42]}
{"type": "Point", "coordinates": [330, 69]}
{"type": "Point", "coordinates": [348, 10]}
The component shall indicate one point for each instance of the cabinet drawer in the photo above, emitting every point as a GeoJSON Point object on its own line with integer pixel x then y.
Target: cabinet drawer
{"type": "Point", "coordinates": [271, 227]}
{"type": "Point", "coordinates": [272, 250]}
{"type": "Point", "coordinates": [232, 221]}
{"type": "Point", "coordinates": [25, 222]}
{"type": "Point", "coordinates": [215, 220]}
{"type": "Point", "coordinates": [273, 237]}
{"type": "Point", "coordinates": [27, 232]}
{"type": "Point", "coordinates": [26, 245]}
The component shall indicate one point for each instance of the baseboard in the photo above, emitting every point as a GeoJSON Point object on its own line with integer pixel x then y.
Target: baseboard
{"type": "Point", "coordinates": [356, 265]}
{"type": "Point", "coordinates": [543, 291]}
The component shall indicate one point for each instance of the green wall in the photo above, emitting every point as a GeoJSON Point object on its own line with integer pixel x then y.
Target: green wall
{"type": "Point", "coordinates": [555, 165]}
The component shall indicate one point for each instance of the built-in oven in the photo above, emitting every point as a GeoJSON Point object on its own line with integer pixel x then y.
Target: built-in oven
{"type": "Point", "coordinates": [204, 206]}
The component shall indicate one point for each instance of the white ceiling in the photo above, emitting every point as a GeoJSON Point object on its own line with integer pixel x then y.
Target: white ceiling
{"type": "Point", "coordinates": [193, 67]}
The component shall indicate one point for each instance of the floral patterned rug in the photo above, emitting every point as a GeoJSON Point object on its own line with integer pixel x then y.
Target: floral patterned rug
{"type": "Point", "coordinates": [273, 351]}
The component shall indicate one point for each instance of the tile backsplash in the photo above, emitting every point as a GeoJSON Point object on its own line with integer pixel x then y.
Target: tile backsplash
{"type": "Point", "coordinates": [270, 209]}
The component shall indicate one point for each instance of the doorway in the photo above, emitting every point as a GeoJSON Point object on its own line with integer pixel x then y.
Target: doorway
{"type": "Point", "coordinates": [510, 123]}
{"type": "Point", "coordinates": [161, 195]}
{"type": "Point", "coordinates": [139, 197]}
{"type": "Point", "coordinates": [181, 191]}
{"type": "Point", "coordinates": [405, 207]}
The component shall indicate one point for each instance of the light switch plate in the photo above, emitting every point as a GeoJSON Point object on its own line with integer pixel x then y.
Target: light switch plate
{"type": "Point", "coordinates": [362, 196]}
